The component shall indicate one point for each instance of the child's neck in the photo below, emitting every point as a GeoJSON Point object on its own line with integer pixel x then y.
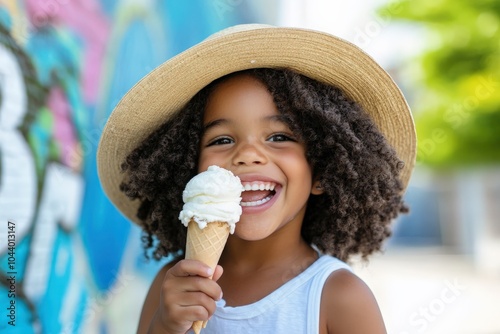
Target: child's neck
{"type": "Point", "coordinates": [254, 255]}
{"type": "Point", "coordinates": [261, 267]}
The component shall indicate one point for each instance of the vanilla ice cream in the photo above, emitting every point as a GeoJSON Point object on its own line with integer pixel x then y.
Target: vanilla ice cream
{"type": "Point", "coordinates": [213, 195]}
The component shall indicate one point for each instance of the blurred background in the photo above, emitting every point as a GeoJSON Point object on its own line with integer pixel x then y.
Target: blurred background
{"type": "Point", "coordinates": [64, 64]}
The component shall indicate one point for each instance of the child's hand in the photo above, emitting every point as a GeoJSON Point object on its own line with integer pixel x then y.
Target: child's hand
{"type": "Point", "coordinates": [187, 295]}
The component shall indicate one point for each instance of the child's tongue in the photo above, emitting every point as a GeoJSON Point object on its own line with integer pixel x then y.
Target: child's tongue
{"type": "Point", "coordinates": [254, 195]}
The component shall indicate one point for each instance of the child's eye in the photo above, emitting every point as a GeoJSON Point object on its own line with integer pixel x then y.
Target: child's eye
{"type": "Point", "coordinates": [220, 141]}
{"type": "Point", "coordinates": [280, 137]}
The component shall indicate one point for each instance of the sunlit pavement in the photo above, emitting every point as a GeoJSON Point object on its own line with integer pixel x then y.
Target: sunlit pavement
{"type": "Point", "coordinates": [428, 291]}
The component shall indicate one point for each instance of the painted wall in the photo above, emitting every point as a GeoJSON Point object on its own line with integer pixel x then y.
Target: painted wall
{"type": "Point", "coordinates": [69, 262]}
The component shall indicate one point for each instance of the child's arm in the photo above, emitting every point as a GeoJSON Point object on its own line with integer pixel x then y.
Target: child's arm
{"type": "Point", "coordinates": [349, 307]}
{"type": "Point", "coordinates": [180, 294]}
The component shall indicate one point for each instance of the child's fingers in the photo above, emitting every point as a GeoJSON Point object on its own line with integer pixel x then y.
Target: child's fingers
{"type": "Point", "coordinates": [200, 284]}
{"type": "Point", "coordinates": [200, 306]}
{"type": "Point", "coordinates": [190, 276]}
{"type": "Point", "coordinates": [217, 273]}
{"type": "Point", "coordinates": [191, 268]}
{"type": "Point", "coordinates": [195, 306]}
{"type": "Point", "coordinates": [190, 298]}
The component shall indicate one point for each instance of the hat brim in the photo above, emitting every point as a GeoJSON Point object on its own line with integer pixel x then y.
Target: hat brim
{"type": "Point", "coordinates": [314, 54]}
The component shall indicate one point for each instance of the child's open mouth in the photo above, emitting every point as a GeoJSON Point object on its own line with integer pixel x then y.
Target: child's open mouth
{"type": "Point", "coordinates": [257, 193]}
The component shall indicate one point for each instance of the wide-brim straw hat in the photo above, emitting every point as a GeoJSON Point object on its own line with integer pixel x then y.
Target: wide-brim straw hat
{"type": "Point", "coordinates": [317, 55]}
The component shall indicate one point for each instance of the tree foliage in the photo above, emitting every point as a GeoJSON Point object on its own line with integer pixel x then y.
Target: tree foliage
{"type": "Point", "coordinates": [457, 92]}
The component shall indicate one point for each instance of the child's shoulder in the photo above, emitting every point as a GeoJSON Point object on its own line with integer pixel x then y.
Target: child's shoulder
{"type": "Point", "coordinates": [348, 305]}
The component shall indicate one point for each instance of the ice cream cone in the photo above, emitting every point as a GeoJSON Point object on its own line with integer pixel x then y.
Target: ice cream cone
{"type": "Point", "coordinates": [206, 245]}
{"type": "Point", "coordinates": [210, 212]}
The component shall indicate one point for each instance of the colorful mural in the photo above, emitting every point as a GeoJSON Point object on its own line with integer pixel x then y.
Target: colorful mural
{"type": "Point", "coordinates": [69, 262]}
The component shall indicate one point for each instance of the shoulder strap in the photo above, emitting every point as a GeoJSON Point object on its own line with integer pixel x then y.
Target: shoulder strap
{"type": "Point", "coordinates": [329, 264]}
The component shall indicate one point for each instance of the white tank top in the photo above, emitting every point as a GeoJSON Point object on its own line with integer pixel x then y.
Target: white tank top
{"type": "Point", "coordinates": [292, 308]}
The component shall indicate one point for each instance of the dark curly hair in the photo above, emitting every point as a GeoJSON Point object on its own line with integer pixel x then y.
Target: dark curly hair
{"type": "Point", "coordinates": [357, 168]}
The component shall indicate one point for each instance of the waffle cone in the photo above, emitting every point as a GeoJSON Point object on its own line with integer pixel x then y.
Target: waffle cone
{"type": "Point", "coordinates": [206, 245]}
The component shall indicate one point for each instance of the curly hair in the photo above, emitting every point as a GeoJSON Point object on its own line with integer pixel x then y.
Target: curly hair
{"type": "Point", "coordinates": [355, 165]}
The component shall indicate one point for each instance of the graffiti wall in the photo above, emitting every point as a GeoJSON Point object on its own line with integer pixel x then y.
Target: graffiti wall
{"type": "Point", "coordinates": [69, 262]}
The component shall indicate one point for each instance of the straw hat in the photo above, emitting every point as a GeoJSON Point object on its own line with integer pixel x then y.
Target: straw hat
{"type": "Point", "coordinates": [315, 54]}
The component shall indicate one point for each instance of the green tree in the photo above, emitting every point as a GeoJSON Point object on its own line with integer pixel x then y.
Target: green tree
{"type": "Point", "coordinates": [457, 92]}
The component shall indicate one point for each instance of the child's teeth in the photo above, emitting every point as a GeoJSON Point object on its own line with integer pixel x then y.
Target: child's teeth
{"type": "Point", "coordinates": [259, 186]}
{"type": "Point", "coordinates": [256, 203]}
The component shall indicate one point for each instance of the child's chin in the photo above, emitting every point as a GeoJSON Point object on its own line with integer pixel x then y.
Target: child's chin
{"type": "Point", "coordinates": [250, 232]}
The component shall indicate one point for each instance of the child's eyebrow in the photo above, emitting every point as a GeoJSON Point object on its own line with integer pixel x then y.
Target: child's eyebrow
{"type": "Point", "coordinates": [223, 121]}
{"type": "Point", "coordinates": [214, 123]}
{"type": "Point", "coordinates": [277, 118]}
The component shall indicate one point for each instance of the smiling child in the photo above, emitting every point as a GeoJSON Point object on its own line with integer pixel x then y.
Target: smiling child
{"type": "Point", "coordinates": [323, 143]}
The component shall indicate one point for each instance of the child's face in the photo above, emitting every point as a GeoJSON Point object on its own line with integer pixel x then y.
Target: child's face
{"type": "Point", "coordinates": [244, 134]}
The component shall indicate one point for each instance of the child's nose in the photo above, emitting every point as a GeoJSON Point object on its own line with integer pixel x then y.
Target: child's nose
{"type": "Point", "coordinates": [249, 154]}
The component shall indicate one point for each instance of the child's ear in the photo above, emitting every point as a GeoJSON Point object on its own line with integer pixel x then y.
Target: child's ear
{"type": "Point", "coordinates": [317, 189]}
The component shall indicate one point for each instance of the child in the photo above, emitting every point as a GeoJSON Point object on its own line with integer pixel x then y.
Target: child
{"type": "Point", "coordinates": [311, 120]}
